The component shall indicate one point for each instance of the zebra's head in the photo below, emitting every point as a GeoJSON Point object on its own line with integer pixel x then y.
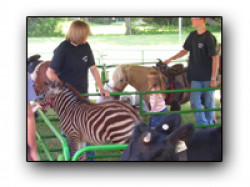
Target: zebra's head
{"type": "Point", "coordinates": [48, 94]}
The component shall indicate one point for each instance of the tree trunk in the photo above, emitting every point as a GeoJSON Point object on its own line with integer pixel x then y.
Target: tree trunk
{"type": "Point", "coordinates": [128, 26]}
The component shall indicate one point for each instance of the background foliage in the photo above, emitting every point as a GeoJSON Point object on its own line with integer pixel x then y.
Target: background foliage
{"type": "Point", "coordinates": [57, 26]}
{"type": "Point", "coordinates": [44, 27]}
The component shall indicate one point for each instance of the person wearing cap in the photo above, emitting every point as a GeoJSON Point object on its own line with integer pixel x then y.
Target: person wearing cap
{"type": "Point", "coordinates": [202, 67]}
{"type": "Point", "coordinates": [31, 126]}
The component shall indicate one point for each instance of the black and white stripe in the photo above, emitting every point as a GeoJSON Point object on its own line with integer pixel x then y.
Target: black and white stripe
{"type": "Point", "coordinates": [83, 121]}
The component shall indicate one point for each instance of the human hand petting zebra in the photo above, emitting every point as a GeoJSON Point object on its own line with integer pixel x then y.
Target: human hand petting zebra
{"type": "Point", "coordinates": [35, 106]}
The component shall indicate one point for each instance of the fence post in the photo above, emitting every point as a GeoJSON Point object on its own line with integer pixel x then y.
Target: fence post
{"type": "Point", "coordinates": [103, 74]}
{"type": "Point", "coordinates": [141, 104]}
{"type": "Point", "coordinates": [142, 56]}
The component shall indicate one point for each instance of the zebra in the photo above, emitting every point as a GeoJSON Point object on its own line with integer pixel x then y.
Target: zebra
{"type": "Point", "coordinates": [84, 121]}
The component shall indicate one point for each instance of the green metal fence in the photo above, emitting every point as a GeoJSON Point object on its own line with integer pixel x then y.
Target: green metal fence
{"type": "Point", "coordinates": [65, 149]}
{"type": "Point", "coordinates": [102, 59]}
{"type": "Point", "coordinates": [64, 144]}
{"type": "Point", "coordinates": [141, 56]}
{"type": "Point", "coordinates": [65, 155]}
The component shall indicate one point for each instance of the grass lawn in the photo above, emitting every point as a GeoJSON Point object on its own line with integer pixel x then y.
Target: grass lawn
{"type": "Point", "coordinates": [112, 37]}
{"type": "Point", "coordinates": [45, 46]}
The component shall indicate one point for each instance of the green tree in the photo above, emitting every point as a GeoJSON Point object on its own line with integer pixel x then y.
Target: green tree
{"type": "Point", "coordinates": [44, 26]}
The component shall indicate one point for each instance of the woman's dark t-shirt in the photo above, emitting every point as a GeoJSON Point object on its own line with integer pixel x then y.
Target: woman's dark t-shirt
{"type": "Point", "coordinates": [71, 64]}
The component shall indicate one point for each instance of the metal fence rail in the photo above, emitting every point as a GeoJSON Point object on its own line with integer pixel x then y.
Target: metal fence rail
{"type": "Point", "coordinates": [130, 56]}
{"type": "Point", "coordinates": [101, 60]}
{"type": "Point", "coordinates": [111, 147]}
{"type": "Point", "coordinates": [65, 148]}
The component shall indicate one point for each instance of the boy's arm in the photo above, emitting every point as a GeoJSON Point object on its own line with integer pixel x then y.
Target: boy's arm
{"type": "Point", "coordinates": [178, 55]}
{"type": "Point", "coordinates": [215, 66]}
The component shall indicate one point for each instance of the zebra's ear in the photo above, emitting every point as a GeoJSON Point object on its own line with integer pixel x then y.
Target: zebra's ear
{"type": "Point", "coordinates": [53, 87]}
{"type": "Point", "coordinates": [57, 84]}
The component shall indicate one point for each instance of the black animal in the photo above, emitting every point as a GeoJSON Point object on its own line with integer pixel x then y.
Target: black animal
{"type": "Point", "coordinates": [182, 144]}
{"type": "Point", "coordinates": [169, 123]}
{"type": "Point", "coordinates": [145, 138]}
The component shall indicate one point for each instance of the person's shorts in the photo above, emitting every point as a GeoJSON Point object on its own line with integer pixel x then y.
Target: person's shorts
{"type": "Point", "coordinates": [31, 91]}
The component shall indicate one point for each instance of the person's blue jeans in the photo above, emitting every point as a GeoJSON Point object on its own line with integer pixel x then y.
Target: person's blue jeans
{"type": "Point", "coordinates": [154, 120]}
{"type": "Point", "coordinates": [202, 118]}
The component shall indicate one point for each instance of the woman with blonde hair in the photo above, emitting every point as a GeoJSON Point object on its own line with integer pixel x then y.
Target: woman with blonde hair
{"type": "Point", "coordinates": [73, 58]}
{"type": "Point", "coordinates": [157, 101]}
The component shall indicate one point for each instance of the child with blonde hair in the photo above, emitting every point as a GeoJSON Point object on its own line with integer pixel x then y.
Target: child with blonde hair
{"type": "Point", "coordinates": [157, 101]}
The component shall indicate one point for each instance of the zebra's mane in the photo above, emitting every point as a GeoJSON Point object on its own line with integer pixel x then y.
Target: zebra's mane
{"type": "Point", "coordinates": [76, 93]}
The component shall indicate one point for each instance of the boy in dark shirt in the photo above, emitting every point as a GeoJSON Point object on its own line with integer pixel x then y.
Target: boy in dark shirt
{"type": "Point", "coordinates": [202, 67]}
